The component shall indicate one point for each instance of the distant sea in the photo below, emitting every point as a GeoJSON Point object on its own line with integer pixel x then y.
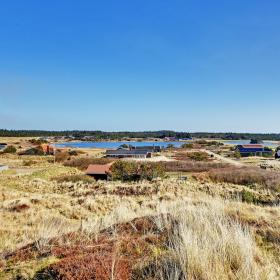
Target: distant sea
{"type": "Point", "coordinates": [116, 144]}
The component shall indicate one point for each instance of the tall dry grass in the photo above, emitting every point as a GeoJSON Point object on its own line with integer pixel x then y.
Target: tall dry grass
{"type": "Point", "coordinates": [204, 243]}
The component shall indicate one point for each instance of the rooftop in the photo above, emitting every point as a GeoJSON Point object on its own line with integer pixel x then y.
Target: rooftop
{"type": "Point", "coordinates": [127, 152]}
{"type": "Point", "coordinates": [98, 169]}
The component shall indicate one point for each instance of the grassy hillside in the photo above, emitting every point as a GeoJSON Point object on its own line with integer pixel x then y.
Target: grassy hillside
{"type": "Point", "coordinates": [58, 224]}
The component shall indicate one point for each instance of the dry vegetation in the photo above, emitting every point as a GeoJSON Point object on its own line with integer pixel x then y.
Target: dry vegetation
{"type": "Point", "coordinates": [56, 223]}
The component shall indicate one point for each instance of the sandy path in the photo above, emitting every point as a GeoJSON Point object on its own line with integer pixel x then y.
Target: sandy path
{"type": "Point", "coordinates": [224, 159]}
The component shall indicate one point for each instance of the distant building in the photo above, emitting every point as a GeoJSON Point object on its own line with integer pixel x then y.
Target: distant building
{"type": "Point", "coordinates": [99, 171]}
{"type": "Point", "coordinates": [151, 149]}
{"type": "Point", "coordinates": [252, 150]}
{"type": "Point", "coordinates": [3, 146]}
{"type": "Point", "coordinates": [128, 153]}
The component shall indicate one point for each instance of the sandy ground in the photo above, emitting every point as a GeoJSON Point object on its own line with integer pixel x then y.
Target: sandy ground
{"type": "Point", "coordinates": [224, 159]}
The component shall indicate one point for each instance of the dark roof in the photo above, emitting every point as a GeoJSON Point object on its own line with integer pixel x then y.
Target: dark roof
{"type": "Point", "coordinates": [146, 147]}
{"type": "Point", "coordinates": [250, 148]}
{"type": "Point", "coordinates": [127, 152]}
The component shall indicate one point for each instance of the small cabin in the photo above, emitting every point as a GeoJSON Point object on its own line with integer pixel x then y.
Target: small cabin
{"type": "Point", "coordinates": [99, 171]}
{"type": "Point", "coordinates": [151, 149]}
{"type": "Point", "coordinates": [252, 150]}
{"type": "Point", "coordinates": [128, 154]}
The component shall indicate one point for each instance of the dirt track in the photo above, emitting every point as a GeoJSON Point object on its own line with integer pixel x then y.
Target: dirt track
{"type": "Point", "coordinates": [224, 159]}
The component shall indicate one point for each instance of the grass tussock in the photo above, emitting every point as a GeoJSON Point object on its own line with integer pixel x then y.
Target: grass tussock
{"type": "Point", "coordinates": [74, 178]}
{"type": "Point", "coordinates": [206, 244]}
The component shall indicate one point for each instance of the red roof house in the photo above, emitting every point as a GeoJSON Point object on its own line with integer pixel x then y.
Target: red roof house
{"type": "Point", "coordinates": [99, 171]}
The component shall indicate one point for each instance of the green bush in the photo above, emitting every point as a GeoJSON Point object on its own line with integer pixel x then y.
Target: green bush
{"type": "Point", "coordinates": [237, 154]}
{"type": "Point", "coordinates": [247, 196]}
{"type": "Point", "coordinates": [135, 171]}
{"type": "Point", "coordinates": [10, 150]}
{"type": "Point", "coordinates": [187, 146]}
{"type": "Point", "coordinates": [198, 156]}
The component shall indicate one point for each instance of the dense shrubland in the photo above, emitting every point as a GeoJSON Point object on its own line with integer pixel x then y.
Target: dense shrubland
{"type": "Point", "coordinates": [135, 171]}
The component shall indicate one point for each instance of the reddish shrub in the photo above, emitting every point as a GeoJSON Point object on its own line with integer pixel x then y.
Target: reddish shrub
{"type": "Point", "coordinates": [19, 207]}
{"type": "Point", "coordinates": [96, 267]}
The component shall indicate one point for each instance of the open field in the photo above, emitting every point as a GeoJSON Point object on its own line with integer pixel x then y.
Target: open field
{"type": "Point", "coordinates": [220, 223]}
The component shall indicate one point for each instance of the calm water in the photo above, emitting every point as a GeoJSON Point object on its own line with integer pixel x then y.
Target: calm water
{"type": "Point", "coordinates": [244, 142]}
{"type": "Point", "coordinates": [115, 145]}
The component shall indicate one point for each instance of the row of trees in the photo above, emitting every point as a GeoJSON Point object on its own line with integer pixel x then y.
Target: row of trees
{"type": "Point", "coordinates": [95, 134]}
{"type": "Point", "coordinates": [142, 134]}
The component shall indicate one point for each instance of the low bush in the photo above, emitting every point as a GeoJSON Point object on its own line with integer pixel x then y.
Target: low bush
{"type": "Point", "coordinates": [29, 162]}
{"type": "Point", "coordinates": [209, 143]}
{"type": "Point", "coordinates": [10, 150]}
{"type": "Point", "coordinates": [38, 141]}
{"type": "Point", "coordinates": [82, 163]}
{"type": "Point", "coordinates": [187, 146]}
{"type": "Point", "coordinates": [195, 156]}
{"type": "Point", "coordinates": [198, 156]}
{"type": "Point", "coordinates": [134, 171]}
{"type": "Point", "coordinates": [247, 196]}
{"type": "Point", "coordinates": [62, 156]}
{"type": "Point", "coordinates": [38, 151]}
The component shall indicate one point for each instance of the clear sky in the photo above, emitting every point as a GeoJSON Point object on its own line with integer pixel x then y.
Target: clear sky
{"type": "Point", "coordinates": [189, 65]}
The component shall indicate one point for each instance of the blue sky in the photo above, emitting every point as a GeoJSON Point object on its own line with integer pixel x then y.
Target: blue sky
{"type": "Point", "coordinates": [189, 65]}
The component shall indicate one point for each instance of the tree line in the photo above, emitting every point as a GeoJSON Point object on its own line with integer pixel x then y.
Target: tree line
{"type": "Point", "coordinates": [102, 135]}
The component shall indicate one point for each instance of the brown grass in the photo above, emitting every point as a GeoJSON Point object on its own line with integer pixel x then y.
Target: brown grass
{"type": "Point", "coordinates": [83, 162]}
{"type": "Point", "coordinates": [192, 166]}
{"type": "Point", "coordinates": [247, 176]}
